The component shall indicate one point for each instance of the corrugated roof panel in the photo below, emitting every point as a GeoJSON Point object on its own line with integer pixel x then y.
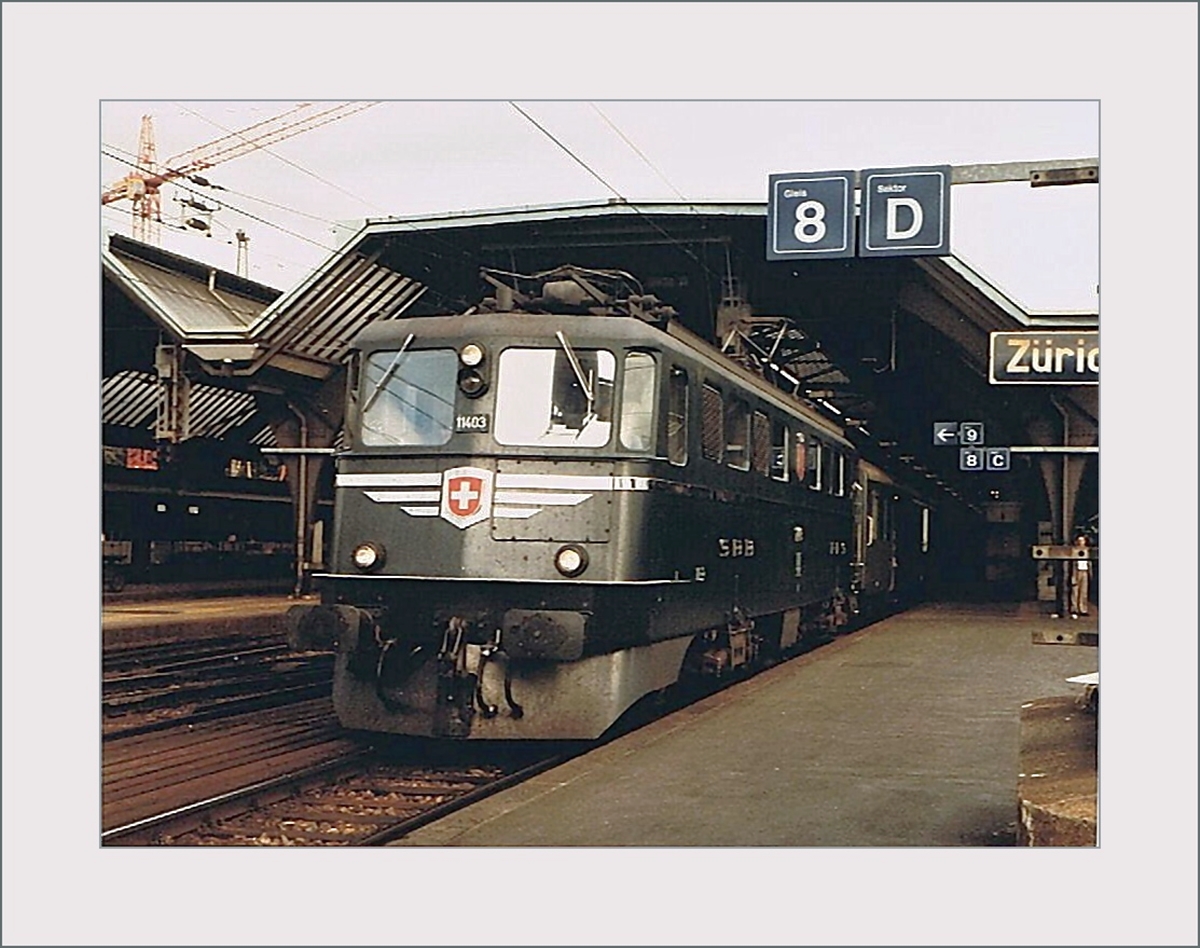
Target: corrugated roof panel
{"type": "Point", "coordinates": [374, 298]}
{"type": "Point", "coordinates": [128, 399]}
{"type": "Point", "coordinates": [213, 412]}
{"type": "Point", "coordinates": [358, 300]}
{"type": "Point", "coordinates": [190, 303]}
{"type": "Point", "coordinates": [265, 438]}
{"type": "Point", "coordinates": [280, 321]}
{"type": "Point", "coordinates": [319, 322]}
{"type": "Point", "coordinates": [329, 338]}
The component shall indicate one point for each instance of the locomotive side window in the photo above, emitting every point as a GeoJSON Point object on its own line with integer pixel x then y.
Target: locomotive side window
{"type": "Point", "coordinates": [677, 416]}
{"type": "Point", "coordinates": [737, 434]}
{"type": "Point", "coordinates": [408, 397]}
{"type": "Point", "coordinates": [712, 436]}
{"type": "Point", "coordinates": [555, 397]}
{"type": "Point", "coordinates": [801, 459]}
{"type": "Point", "coordinates": [637, 401]}
{"type": "Point", "coordinates": [761, 431]}
{"type": "Point", "coordinates": [779, 450]}
{"type": "Point", "coordinates": [815, 456]}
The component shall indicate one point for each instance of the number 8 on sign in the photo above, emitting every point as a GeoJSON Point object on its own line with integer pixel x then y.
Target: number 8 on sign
{"type": "Point", "coordinates": [970, 459]}
{"type": "Point", "coordinates": [810, 222]}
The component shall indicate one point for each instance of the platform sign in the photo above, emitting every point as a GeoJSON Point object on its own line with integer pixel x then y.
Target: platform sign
{"type": "Point", "coordinates": [998, 459]}
{"type": "Point", "coordinates": [906, 212]}
{"type": "Point", "coordinates": [945, 432]}
{"type": "Point", "coordinates": [1046, 357]}
{"type": "Point", "coordinates": [971, 433]}
{"type": "Point", "coordinates": [971, 459]}
{"type": "Point", "coordinates": [810, 214]}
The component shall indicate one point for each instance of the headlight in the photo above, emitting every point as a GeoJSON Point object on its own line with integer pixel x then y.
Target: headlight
{"type": "Point", "coordinates": [471, 354]}
{"type": "Point", "coordinates": [571, 560]}
{"type": "Point", "coordinates": [471, 383]}
{"type": "Point", "coordinates": [368, 556]}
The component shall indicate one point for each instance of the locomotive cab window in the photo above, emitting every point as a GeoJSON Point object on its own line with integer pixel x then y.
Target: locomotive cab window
{"type": "Point", "coordinates": [677, 416]}
{"type": "Point", "coordinates": [779, 450]}
{"type": "Point", "coordinates": [555, 397]}
{"type": "Point", "coordinates": [761, 432]}
{"type": "Point", "coordinates": [737, 434]}
{"type": "Point", "coordinates": [712, 437]}
{"type": "Point", "coordinates": [407, 397]}
{"type": "Point", "coordinates": [637, 402]}
{"type": "Point", "coordinates": [815, 457]}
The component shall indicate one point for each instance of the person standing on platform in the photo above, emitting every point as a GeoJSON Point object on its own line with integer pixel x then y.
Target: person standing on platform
{"type": "Point", "coordinates": [1081, 571]}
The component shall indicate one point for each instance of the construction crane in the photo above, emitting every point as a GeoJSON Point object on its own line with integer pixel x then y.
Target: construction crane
{"type": "Point", "coordinates": [142, 185]}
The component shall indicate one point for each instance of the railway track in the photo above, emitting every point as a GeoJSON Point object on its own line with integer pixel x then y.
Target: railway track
{"type": "Point", "coordinates": [166, 686]}
{"type": "Point", "coordinates": [359, 794]}
{"type": "Point", "coordinates": [180, 654]}
{"type": "Point", "coordinates": [365, 798]}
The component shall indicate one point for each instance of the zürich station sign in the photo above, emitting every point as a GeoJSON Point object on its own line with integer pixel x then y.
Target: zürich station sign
{"type": "Point", "coordinates": [1045, 357]}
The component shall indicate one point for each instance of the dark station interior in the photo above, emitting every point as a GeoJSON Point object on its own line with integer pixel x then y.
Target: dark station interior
{"type": "Point", "coordinates": [885, 346]}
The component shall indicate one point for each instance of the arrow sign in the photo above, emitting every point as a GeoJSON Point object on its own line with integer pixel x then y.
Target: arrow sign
{"type": "Point", "coordinates": [945, 432]}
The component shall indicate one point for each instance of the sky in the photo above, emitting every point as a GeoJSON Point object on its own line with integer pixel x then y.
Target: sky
{"type": "Point", "coordinates": [411, 158]}
{"type": "Point", "coordinates": [653, 69]}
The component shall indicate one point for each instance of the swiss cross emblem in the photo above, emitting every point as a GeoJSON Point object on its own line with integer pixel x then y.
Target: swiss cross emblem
{"type": "Point", "coordinates": [466, 496]}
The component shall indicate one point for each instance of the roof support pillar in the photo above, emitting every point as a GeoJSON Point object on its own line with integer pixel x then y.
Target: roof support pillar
{"type": "Point", "coordinates": [1062, 474]}
{"type": "Point", "coordinates": [313, 425]}
{"type": "Point", "coordinates": [171, 411]}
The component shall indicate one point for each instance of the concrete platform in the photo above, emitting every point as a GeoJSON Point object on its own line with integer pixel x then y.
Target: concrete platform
{"type": "Point", "coordinates": [155, 622]}
{"type": "Point", "coordinates": [1057, 782]}
{"type": "Point", "coordinates": [904, 734]}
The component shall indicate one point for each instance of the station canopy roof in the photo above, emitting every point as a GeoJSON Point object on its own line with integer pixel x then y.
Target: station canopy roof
{"type": "Point", "coordinates": [881, 345]}
{"type": "Point", "coordinates": [226, 320]}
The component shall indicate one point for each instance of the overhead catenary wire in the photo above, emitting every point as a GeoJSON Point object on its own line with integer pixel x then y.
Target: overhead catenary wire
{"type": "Point", "coordinates": [205, 183]}
{"type": "Point", "coordinates": [633, 207]}
{"type": "Point", "coordinates": [625, 138]}
{"type": "Point", "coordinates": [117, 220]}
{"type": "Point", "coordinates": [237, 210]}
{"type": "Point", "coordinates": [449, 301]}
{"type": "Point", "coordinates": [287, 161]}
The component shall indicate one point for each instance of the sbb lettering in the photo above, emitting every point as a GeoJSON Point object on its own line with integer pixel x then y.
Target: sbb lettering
{"type": "Point", "coordinates": [729, 547]}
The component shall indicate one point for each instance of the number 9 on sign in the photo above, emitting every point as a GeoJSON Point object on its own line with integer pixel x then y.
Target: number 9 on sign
{"type": "Point", "coordinates": [810, 222]}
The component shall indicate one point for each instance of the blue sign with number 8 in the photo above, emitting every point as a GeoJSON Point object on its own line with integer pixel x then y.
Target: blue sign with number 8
{"type": "Point", "coordinates": [810, 215]}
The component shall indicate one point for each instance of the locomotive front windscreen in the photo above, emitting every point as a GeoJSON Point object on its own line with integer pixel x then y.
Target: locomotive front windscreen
{"type": "Point", "coordinates": [408, 397]}
{"type": "Point", "coordinates": [555, 397]}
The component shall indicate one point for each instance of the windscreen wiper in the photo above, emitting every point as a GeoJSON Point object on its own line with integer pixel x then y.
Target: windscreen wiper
{"type": "Point", "coordinates": [387, 376]}
{"type": "Point", "coordinates": [578, 369]}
